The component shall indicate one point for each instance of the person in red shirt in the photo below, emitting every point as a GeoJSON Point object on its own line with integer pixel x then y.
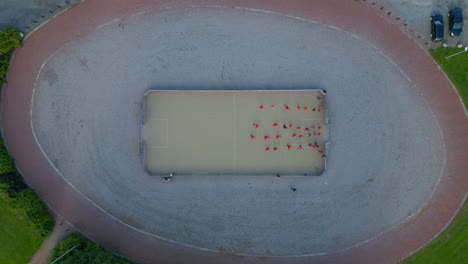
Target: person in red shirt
{"type": "Point", "coordinates": [301, 135]}
{"type": "Point", "coordinates": [252, 136]}
{"type": "Point", "coordinates": [300, 147]}
{"type": "Point", "coordinates": [305, 107]}
{"type": "Point", "coordinates": [289, 146]}
{"type": "Point", "coordinates": [287, 107]}
{"type": "Point", "coordinates": [299, 127]}
{"type": "Point", "coordinates": [294, 135]}
{"type": "Point", "coordinates": [261, 107]}
{"type": "Point", "coordinates": [275, 124]}
{"type": "Point", "coordinates": [273, 106]}
{"type": "Point", "coordinates": [266, 137]}
{"type": "Point", "coordinates": [267, 149]}
{"type": "Point", "coordinates": [291, 125]}
{"type": "Point", "coordinates": [255, 125]}
{"type": "Point", "coordinates": [278, 136]}
{"type": "Point", "coordinates": [275, 148]}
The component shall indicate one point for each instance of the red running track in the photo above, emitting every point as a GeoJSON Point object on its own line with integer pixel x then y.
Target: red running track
{"type": "Point", "coordinates": [348, 15]}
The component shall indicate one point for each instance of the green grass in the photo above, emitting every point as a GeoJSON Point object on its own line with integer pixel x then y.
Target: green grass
{"type": "Point", "coordinates": [19, 239]}
{"type": "Point", "coordinates": [451, 246]}
{"type": "Point", "coordinates": [456, 68]}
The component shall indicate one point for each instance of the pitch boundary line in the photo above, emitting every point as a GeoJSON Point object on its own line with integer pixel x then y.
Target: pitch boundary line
{"type": "Point", "coordinates": [235, 134]}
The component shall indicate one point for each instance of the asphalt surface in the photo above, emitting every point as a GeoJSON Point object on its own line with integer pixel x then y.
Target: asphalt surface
{"type": "Point", "coordinates": [385, 109]}
{"type": "Point", "coordinates": [26, 15]}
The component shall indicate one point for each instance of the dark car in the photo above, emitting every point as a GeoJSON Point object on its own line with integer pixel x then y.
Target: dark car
{"type": "Point", "coordinates": [455, 22]}
{"type": "Point", "coordinates": [437, 27]}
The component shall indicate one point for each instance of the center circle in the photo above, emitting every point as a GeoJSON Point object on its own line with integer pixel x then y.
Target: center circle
{"type": "Point", "coordinates": [385, 155]}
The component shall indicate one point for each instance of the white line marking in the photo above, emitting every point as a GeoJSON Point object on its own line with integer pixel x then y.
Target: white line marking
{"type": "Point", "coordinates": [234, 127]}
{"type": "Point", "coordinates": [108, 23]}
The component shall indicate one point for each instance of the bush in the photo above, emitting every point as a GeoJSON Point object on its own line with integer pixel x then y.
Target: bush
{"type": "Point", "coordinates": [86, 253]}
{"type": "Point", "coordinates": [33, 208]}
{"type": "Point", "coordinates": [20, 197]}
{"type": "Point", "coordinates": [66, 244]}
{"type": "Point", "coordinates": [10, 39]}
{"type": "Point", "coordinates": [7, 164]}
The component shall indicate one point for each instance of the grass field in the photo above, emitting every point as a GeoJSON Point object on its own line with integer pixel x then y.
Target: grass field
{"type": "Point", "coordinates": [456, 68]}
{"type": "Point", "coordinates": [19, 239]}
{"type": "Point", "coordinates": [451, 246]}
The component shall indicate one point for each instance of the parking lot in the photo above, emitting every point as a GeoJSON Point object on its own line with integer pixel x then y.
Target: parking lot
{"type": "Point", "coordinates": [417, 14]}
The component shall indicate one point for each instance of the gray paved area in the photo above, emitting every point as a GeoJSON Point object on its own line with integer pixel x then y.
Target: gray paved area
{"type": "Point", "coordinates": [418, 12]}
{"type": "Point", "coordinates": [26, 15]}
{"type": "Point", "coordinates": [381, 170]}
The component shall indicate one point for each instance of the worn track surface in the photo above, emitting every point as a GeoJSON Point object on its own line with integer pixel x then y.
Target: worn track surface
{"type": "Point", "coordinates": [426, 79]}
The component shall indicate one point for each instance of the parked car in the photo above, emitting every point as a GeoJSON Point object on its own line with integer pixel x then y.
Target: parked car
{"type": "Point", "coordinates": [455, 17]}
{"type": "Point", "coordinates": [437, 27]}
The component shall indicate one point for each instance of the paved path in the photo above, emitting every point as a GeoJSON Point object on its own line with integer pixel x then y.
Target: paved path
{"type": "Point", "coordinates": [44, 253]}
{"type": "Point", "coordinates": [428, 81]}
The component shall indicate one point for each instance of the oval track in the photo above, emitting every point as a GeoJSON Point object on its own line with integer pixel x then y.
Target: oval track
{"type": "Point", "coordinates": [390, 132]}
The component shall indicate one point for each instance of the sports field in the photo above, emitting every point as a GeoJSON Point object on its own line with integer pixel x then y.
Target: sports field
{"type": "Point", "coordinates": [235, 132]}
{"type": "Point", "coordinates": [71, 119]}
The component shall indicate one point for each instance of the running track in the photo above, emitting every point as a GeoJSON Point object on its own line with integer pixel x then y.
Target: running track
{"type": "Point", "coordinates": [351, 16]}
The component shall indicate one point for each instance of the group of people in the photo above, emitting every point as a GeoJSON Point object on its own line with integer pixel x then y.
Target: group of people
{"type": "Point", "coordinates": [299, 130]}
{"type": "Point", "coordinates": [302, 132]}
{"type": "Point", "coordinates": [289, 146]}
{"type": "Point", "coordinates": [306, 131]}
{"type": "Point", "coordinates": [318, 108]}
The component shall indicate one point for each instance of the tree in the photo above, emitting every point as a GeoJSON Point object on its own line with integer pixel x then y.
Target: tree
{"type": "Point", "coordinates": [10, 39]}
